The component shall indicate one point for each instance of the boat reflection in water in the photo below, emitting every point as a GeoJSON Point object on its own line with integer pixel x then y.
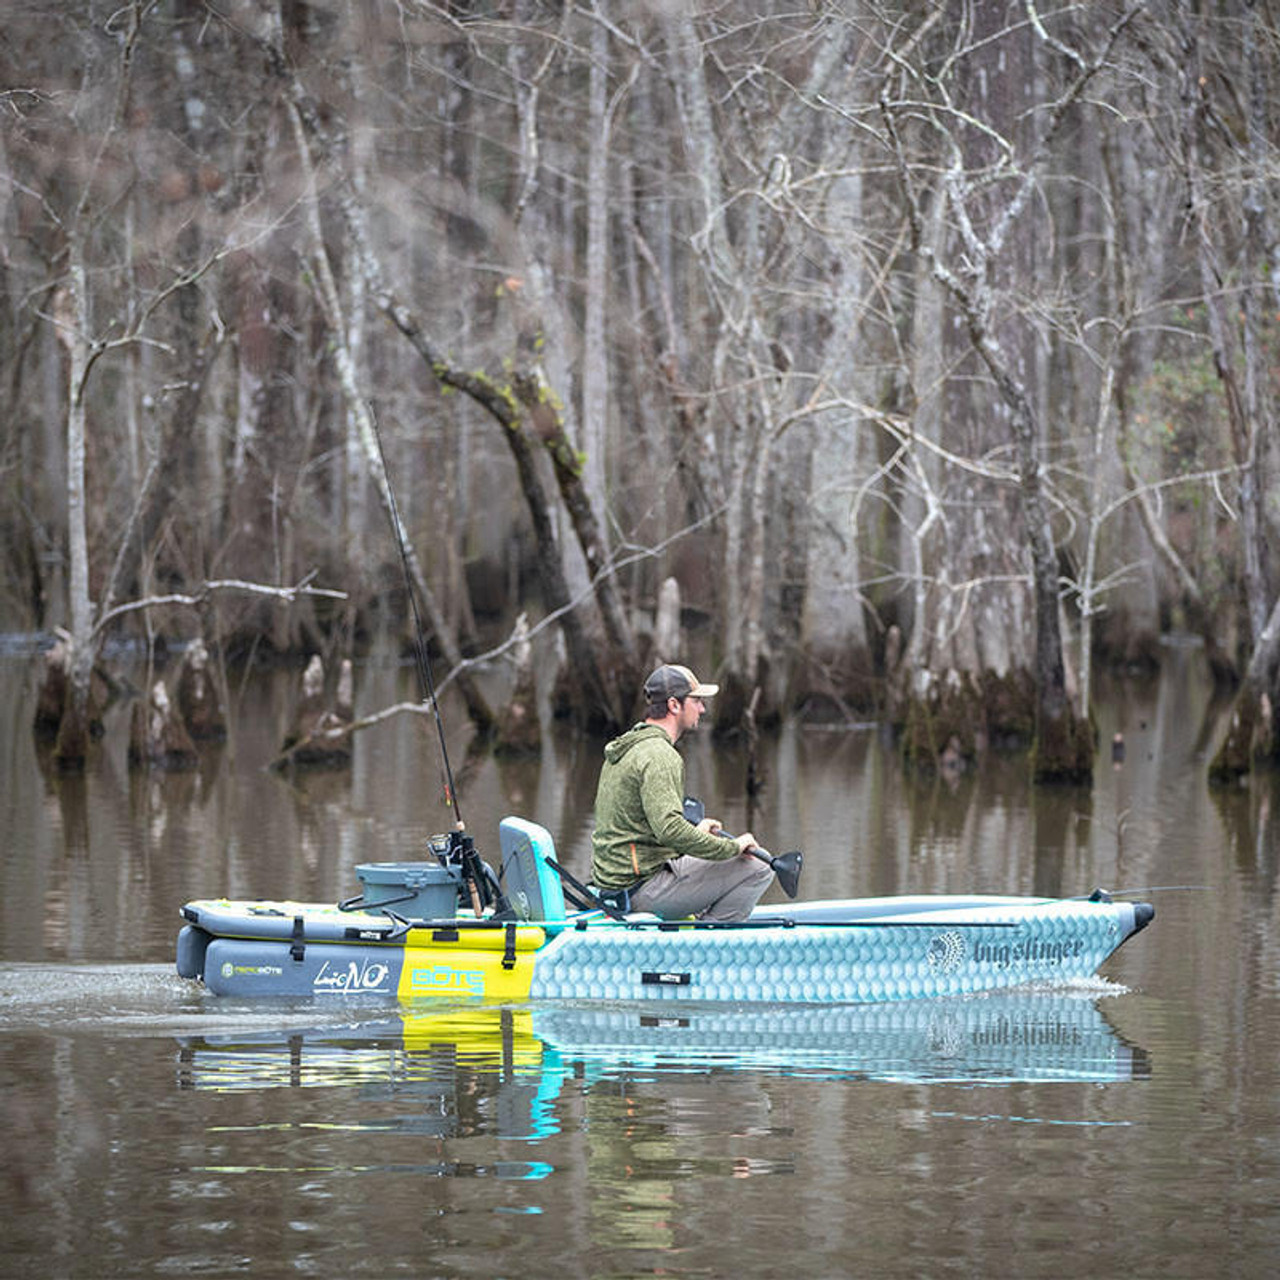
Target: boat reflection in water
{"type": "Point", "coordinates": [525, 1054]}
{"type": "Point", "coordinates": [998, 1038]}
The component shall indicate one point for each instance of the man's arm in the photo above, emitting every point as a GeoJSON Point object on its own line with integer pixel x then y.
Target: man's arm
{"type": "Point", "coordinates": [662, 794]}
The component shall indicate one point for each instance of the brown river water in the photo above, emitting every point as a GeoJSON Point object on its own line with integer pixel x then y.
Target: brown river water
{"type": "Point", "coordinates": [1126, 1127]}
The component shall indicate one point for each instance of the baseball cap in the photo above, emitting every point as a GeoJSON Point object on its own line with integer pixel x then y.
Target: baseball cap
{"type": "Point", "coordinates": [673, 681]}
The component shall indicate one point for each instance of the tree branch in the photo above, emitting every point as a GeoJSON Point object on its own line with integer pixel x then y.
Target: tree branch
{"type": "Point", "coordinates": [287, 594]}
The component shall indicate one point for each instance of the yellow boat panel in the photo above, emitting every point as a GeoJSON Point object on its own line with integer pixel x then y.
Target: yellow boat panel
{"type": "Point", "coordinates": [528, 937]}
{"type": "Point", "coordinates": [469, 963]}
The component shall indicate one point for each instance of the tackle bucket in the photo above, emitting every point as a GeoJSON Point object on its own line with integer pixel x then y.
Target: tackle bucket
{"type": "Point", "coordinates": [418, 890]}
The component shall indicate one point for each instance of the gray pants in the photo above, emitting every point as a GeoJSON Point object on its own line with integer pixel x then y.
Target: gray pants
{"type": "Point", "coordinates": [709, 890]}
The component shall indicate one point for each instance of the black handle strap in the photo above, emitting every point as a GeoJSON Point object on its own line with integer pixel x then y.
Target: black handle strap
{"type": "Point", "coordinates": [587, 899]}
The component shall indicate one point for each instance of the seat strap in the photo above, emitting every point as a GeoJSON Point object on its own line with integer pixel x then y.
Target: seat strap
{"type": "Point", "coordinates": [589, 899]}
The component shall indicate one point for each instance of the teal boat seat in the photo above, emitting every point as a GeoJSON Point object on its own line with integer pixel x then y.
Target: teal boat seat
{"type": "Point", "coordinates": [531, 886]}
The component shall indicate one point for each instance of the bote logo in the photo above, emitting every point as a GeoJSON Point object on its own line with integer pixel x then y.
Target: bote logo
{"type": "Point", "coordinates": [441, 980]}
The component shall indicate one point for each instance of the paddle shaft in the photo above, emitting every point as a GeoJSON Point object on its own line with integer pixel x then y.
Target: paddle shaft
{"type": "Point", "coordinates": [786, 867]}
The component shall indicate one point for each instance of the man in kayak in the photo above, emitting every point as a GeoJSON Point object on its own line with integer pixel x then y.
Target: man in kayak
{"type": "Point", "coordinates": [645, 855]}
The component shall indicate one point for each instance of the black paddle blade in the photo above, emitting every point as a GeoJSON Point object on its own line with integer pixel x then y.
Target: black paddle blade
{"type": "Point", "coordinates": [787, 866]}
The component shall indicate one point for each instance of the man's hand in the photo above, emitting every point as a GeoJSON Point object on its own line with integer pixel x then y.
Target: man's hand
{"type": "Point", "coordinates": [746, 841]}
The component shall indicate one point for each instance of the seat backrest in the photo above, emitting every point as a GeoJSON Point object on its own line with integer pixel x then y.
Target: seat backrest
{"type": "Point", "coordinates": [531, 886]}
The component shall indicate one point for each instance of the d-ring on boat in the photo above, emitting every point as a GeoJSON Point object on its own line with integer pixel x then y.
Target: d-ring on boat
{"type": "Point", "coordinates": [406, 938]}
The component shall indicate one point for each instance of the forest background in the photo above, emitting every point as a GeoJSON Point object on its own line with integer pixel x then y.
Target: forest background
{"type": "Point", "coordinates": [921, 356]}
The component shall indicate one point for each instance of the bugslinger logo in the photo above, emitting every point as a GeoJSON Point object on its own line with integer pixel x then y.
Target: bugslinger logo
{"type": "Point", "coordinates": [1006, 1032]}
{"type": "Point", "coordinates": [1031, 951]}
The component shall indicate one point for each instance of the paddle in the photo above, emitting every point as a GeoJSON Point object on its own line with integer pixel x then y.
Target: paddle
{"type": "Point", "coordinates": [786, 866]}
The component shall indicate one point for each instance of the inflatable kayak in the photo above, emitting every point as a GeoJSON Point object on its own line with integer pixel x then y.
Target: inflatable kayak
{"type": "Point", "coordinates": [405, 939]}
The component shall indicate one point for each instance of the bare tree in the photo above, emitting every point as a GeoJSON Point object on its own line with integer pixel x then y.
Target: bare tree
{"type": "Point", "coordinates": [1228, 154]}
{"type": "Point", "coordinates": [988, 178]}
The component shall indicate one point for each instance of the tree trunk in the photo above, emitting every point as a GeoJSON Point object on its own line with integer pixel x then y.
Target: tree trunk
{"type": "Point", "coordinates": [838, 670]}
{"type": "Point", "coordinates": [71, 315]}
{"type": "Point", "coordinates": [362, 417]}
{"type": "Point", "coordinates": [728, 296]}
{"type": "Point", "coordinates": [519, 733]}
{"type": "Point", "coordinates": [595, 363]}
{"type": "Point", "coordinates": [169, 476]}
{"type": "Point", "coordinates": [1245, 404]}
{"type": "Point", "coordinates": [542, 223]}
{"type": "Point", "coordinates": [599, 695]}
{"type": "Point", "coordinates": [1064, 743]}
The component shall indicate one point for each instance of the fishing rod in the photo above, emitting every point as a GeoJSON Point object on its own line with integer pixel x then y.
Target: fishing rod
{"type": "Point", "coordinates": [426, 682]}
{"type": "Point", "coordinates": [475, 875]}
{"type": "Point", "coordinates": [1150, 888]}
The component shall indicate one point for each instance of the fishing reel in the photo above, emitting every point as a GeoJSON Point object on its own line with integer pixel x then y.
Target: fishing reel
{"type": "Point", "coordinates": [457, 853]}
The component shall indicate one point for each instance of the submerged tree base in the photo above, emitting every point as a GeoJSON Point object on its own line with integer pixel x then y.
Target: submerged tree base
{"type": "Point", "coordinates": [321, 735]}
{"type": "Point", "coordinates": [1254, 735]}
{"type": "Point", "coordinates": [75, 730]}
{"type": "Point", "coordinates": [197, 698]}
{"type": "Point", "coordinates": [157, 737]}
{"type": "Point", "coordinates": [835, 687]}
{"type": "Point", "coordinates": [746, 706]}
{"type": "Point", "coordinates": [959, 716]}
{"type": "Point", "coordinates": [57, 715]}
{"type": "Point", "coordinates": [1064, 749]}
{"type": "Point", "coordinates": [1253, 739]}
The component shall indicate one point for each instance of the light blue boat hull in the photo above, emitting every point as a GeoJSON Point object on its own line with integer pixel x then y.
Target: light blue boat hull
{"type": "Point", "coordinates": [845, 952]}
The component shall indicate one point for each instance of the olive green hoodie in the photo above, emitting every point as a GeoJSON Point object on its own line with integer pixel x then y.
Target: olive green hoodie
{"type": "Point", "coordinates": [640, 821]}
